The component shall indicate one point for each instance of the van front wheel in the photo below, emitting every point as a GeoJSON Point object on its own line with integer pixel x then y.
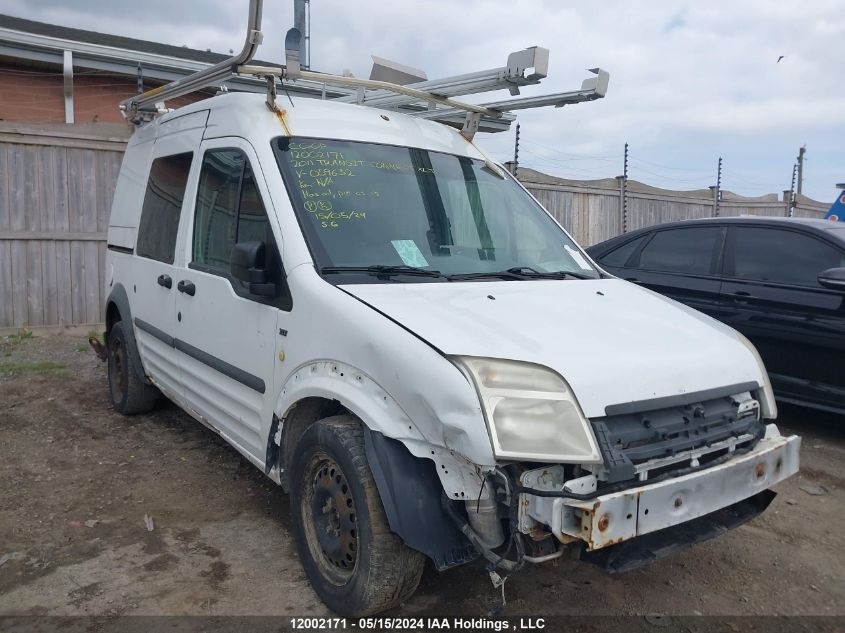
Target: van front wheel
{"type": "Point", "coordinates": [354, 562]}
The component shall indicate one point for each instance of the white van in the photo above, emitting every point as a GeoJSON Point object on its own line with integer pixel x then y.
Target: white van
{"type": "Point", "coordinates": [395, 331]}
{"type": "Point", "coordinates": [399, 335]}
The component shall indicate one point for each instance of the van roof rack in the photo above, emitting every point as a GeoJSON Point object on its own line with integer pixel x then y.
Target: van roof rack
{"type": "Point", "coordinates": [431, 99]}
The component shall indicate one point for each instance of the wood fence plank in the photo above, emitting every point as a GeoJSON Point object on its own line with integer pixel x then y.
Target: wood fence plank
{"type": "Point", "coordinates": [77, 282]}
{"type": "Point", "coordinates": [101, 286]}
{"type": "Point", "coordinates": [34, 281]}
{"type": "Point", "coordinates": [109, 168]}
{"type": "Point", "coordinates": [75, 185]}
{"type": "Point", "coordinates": [88, 199]}
{"type": "Point", "coordinates": [92, 282]}
{"type": "Point", "coordinates": [62, 191]}
{"type": "Point", "coordinates": [50, 285]}
{"type": "Point", "coordinates": [17, 187]}
{"type": "Point", "coordinates": [46, 167]}
{"type": "Point", "coordinates": [32, 193]}
{"type": "Point", "coordinates": [18, 268]}
{"type": "Point", "coordinates": [64, 284]}
{"type": "Point", "coordinates": [6, 294]}
{"type": "Point", "coordinates": [4, 188]}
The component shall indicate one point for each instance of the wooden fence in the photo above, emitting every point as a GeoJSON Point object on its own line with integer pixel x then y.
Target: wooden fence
{"type": "Point", "coordinates": [57, 183]}
{"type": "Point", "coordinates": [594, 210]}
{"type": "Point", "coordinates": [56, 187]}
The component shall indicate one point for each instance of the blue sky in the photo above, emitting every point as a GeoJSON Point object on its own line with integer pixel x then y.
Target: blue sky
{"type": "Point", "coordinates": [689, 81]}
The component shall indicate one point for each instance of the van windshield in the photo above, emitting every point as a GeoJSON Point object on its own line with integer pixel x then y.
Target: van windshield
{"type": "Point", "coordinates": [366, 205]}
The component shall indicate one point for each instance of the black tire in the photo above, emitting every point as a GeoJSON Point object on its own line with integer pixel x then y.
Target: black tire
{"type": "Point", "coordinates": [129, 393]}
{"type": "Point", "coordinates": [354, 562]}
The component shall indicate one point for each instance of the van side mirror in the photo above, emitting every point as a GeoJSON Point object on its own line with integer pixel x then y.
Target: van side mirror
{"type": "Point", "coordinates": [833, 278]}
{"type": "Point", "coordinates": [249, 266]}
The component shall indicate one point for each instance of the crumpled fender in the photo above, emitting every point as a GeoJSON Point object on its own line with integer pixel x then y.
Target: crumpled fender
{"type": "Point", "coordinates": [380, 412]}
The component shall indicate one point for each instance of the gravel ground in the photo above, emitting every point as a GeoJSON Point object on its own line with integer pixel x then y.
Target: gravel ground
{"type": "Point", "coordinates": [77, 481]}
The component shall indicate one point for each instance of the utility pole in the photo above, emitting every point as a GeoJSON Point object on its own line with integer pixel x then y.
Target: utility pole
{"type": "Point", "coordinates": [516, 152]}
{"type": "Point", "coordinates": [625, 191]}
{"type": "Point", "coordinates": [792, 191]}
{"type": "Point", "coordinates": [718, 188]}
{"type": "Point", "coordinates": [801, 151]}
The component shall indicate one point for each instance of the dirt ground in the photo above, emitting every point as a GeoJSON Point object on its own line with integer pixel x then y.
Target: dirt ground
{"type": "Point", "coordinates": [77, 480]}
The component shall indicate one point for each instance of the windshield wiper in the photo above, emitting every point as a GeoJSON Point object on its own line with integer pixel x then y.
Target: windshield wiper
{"type": "Point", "coordinates": [519, 273]}
{"type": "Point", "coordinates": [557, 274]}
{"type": "Point", "coordinates": [381, 270]}
{"type": "Point", "coordinates": [502, 274]}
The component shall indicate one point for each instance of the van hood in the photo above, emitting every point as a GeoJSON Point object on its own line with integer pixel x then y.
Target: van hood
{"type": "Point", "coordinates": [612, 341]}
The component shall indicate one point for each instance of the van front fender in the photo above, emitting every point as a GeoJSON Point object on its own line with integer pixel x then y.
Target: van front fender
{"type": "Point", "coordinates": [379, 412]}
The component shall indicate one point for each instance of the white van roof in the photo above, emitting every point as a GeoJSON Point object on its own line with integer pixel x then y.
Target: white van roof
{"type": "Point", "coordinates": [247, 115]}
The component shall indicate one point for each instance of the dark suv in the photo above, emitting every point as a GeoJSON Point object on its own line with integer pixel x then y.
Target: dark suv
{"type": "Point", "coordinates": [779, 281]}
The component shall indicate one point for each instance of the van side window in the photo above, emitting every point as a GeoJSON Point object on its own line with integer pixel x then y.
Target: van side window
{"type": "Point", "coordinates": [253, 225]}
{"type": "Point", "coordinates": [229, 210]}
{"type": "Point", "coordinates": [163, 206]}
{"type": "Point", "coordinates": [217, 207]}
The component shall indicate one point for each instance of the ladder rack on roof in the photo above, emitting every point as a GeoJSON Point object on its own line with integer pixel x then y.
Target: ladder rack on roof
{"type": "Point", "coordinates": [431, 99]}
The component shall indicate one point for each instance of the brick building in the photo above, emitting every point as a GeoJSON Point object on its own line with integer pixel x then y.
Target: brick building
{"type": "Point", "coordinates": [53, 74]}
{"type": "Point", "coordinates": [61, 144]}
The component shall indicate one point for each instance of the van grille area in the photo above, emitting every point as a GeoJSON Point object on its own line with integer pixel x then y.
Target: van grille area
{"type": "Point", "coordinates": [664, 437]}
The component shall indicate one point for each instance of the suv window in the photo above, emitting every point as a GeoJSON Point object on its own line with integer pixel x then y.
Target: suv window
{"type": "Point", "coordinates": [618, 257]}
{"type": "Point", "coordinates": [162, 207]}
{"type": "Point", "coordinates": [767, 254]}
{"type": "Point", "coordinates": [685, 250]}
{"type": "Point", "coordinates": [229, 209]}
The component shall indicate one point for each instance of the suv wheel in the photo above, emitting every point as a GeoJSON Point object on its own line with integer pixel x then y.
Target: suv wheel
{"type": "Point", "coordinates": [128, 392]}
{"type": "Point", "coordinates": [354, 562]}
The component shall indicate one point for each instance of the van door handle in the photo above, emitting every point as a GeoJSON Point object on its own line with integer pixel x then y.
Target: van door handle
{"type": "Point", "coordinates": [187, 287]}
{"type": "Point", "coordinates": [165, 280]}
{"type": "Point", "coordinates": [741, 296]}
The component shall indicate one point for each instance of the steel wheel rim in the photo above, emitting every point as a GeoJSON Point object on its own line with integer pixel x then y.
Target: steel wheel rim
{"type": "Point", "coordinates": [330, 519]}
{"type": "Point", "coordinates": [117, 356]}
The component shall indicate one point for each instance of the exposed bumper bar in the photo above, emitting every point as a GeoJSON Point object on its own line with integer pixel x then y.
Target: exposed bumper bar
{"type": "Point", "coordinates": [621, 516]}
{"type": "Point", "coordinates": [646, 549]}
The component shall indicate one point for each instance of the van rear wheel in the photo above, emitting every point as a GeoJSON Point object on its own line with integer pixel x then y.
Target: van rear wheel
{"type": "Point", "coordinates": [128, 392]}
{"type": "Point", "coordinates": [354, 562]}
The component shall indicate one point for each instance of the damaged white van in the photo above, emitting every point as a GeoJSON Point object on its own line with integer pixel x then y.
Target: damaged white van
{"type": "Point", "coordinates": [396, 332]}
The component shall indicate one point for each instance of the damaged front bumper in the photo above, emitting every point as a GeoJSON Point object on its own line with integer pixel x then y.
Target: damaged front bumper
{"type": "Point", "coordinates": [609, 519]}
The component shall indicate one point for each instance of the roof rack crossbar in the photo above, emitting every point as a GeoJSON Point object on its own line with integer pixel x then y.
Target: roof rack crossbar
{"type": "Point", "coordinates": [591, 89]}
{"type": "Point", "coordinates": [511, 76]}
{"type": "Point", "coordinates": [373, 84]}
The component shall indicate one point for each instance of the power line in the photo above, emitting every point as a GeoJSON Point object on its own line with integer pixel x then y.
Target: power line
{"type": "Point", "coordinates": [602, 157]}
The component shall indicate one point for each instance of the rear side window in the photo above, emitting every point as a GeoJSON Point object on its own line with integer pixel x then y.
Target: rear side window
{"type": "Point", "coordinates": [620, 256]}
{"type": "Point", "coordinates": [163, 206]}
{"type": "Point", "coordinates": [765, 254]}
{"type": "Point", "coordinates": [681, 250]}
{"type": "Point", "coordinates": [229, 209]}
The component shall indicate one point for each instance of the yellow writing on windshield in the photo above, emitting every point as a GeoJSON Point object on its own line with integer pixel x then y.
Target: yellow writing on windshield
{"type": "Point", "coordinates": [327, 176]}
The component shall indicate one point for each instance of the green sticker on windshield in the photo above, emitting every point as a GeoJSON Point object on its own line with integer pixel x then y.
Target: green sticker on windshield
{"type": "Point", "coordinates": [410, 253]}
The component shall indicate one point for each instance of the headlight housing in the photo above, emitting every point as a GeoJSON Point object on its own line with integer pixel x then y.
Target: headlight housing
{"type": "Point", "coordinates": [531, 412]}
{"type": "Point", "coordinates": [768, 407]}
